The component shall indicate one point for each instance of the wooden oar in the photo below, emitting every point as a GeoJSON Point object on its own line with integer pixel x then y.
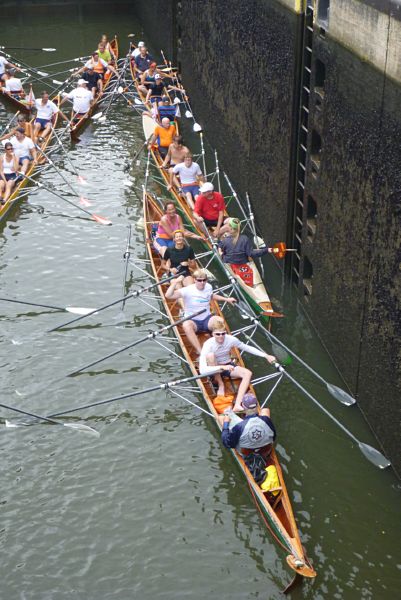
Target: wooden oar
{"type": "Point", "coordinates": [134, 294]}
{"type": "Point", "coordinates": [373, 455]}
{"type": "Point", "coordinates": [150, 336]}
{"type": "Point", "coordinates": [162, 386]}
{"type": "Point", "coordinates": [97, 218]}
{"type": "Point", "coordinates": [335, 391]}
{"type": "Point", "coordinates": [77, 310]}
{"type": "Point", "coordinates": [75, 426]}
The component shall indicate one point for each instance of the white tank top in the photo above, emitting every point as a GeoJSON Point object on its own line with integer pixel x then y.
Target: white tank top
{"type": "Point", "coordinates": [8, 165]}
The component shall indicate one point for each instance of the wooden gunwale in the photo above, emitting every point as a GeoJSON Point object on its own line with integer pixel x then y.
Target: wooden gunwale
{"type": "Point", "coordinates": [81, 123]}
{"type": "Point", "coordinates": [281, 519]}
{"type": "Point", "coordinates": [16, 196]}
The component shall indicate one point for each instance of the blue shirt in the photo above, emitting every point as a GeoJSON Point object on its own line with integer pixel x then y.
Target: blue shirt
{"type": "Point", "coordinates": [143, 63]}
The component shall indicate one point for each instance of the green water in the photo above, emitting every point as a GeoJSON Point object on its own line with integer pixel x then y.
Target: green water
{"type": "Point", "coordinates": [155, 507]}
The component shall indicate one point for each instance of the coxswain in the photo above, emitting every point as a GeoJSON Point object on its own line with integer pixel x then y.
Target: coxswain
{"type": "Point", "coordinates": [46, 109]}
{"type": "Point", "coordinates": [170, 222]}
{"type": "Point", "coordinates": [180, 258]}
{"type": "Point", "coordinates": [209, 208]}
{"type": "Point", "coordinates": [13, 85]}
{"type": "Point", "coordinates": [93, 80]}
{"type": "Point", "coordinates": [81, 97]}
{"type": "Point", "coordinates": [8, 172]}
{"type": "Point", "coordinates": [235, 247]}
{"type": "Point", "coordinates": [24, 149]}
{"type": "Point", "coordinates": [163, 134]}
{"type": "Point", "coordinates": [195, 297]}
{"type": "Point", "coordinates": [255, 432]}
{"type": "Point", "coordinates": [142, 61]}
{"type": "Point", "coordinates": [216, 352]}
{"type": "Point", "coordinates": [190, 175]}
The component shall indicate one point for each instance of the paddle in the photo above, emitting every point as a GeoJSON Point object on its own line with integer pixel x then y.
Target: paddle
{"type": "Point", "coordinates": [97, 218]}
{"type": "Point", "coordinates": [150, 336]}
{"type": "Point", "coordinates": [80, 178]}
{"type": "Point", "coordinates": [162, 386]}
{"type": "Point", "coordinates": [78, 310]}
{"type": "Point", "coordinates": [373, 455]}
{"type": "Point", "coordinates": [63, 62]}
{"type": "Point", "coordinates": [75, 426]}
{"type": "Point", "coordinates": [139, 151]}
{"type": "Point", "coordinates": [335, 391]}
{"type": "Point", "coordinates": [134, 294]}
{"type": "Point", "coordinates": [21, 48]}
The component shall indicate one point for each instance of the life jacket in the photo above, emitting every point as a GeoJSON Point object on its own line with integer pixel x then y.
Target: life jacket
{"type": "Point", "coordinates": [98, 67]}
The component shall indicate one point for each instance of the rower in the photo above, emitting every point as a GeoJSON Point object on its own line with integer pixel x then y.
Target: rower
{"type": "Point", "coordinates": [190, 175]}
{"type": "Point", "coordinates": [175, 155]}
{"type": "Point", "coordinates": [46, 109]}
{"type": "Point", "coordinates": [24, 149]}
{"type": "Point", "coordinates": [164, 133]}
{"type": "Point", "coordinates": [255, 432]}
{"type": "Point", "coordinates": [13, 85]}
{"type": "Point", "coordinates": [216, 352]}
{"type": "Point", "coordinates": [142, 61]}
{"type": "Point", "coordinates": [209, 208]}
{"type": "Point", "coordinates": [166, 109]}
{"type": "Point", "coordinates": [21, 122]}
{"type": "Point", "coordinates": [137, 50]}
{"type": "Point", "coordinates": [103, 53]}
{"type": "Point", "coordinates": [180, 258]}
{"type": "Point", "coordinates": [93, 80]}
{"type": "Point", "coordinates": [105, 41]}
{"type": "Point", "coordinates": [235, 247]}
{"type": "Point", "coordinates": [5, 64]}
{"type": "Point", "coordinates": [81, 97]}
{"type": "Point", "coordinates": [8, 172]}
{"type": "Point", "coordinates": [99, 65]}
{"type": "Point", "coordinates": [169, 223]}
{"type": "Point", "coordinates": [196, 296]}
{"type": "Point", "coordinates": [147, 78]}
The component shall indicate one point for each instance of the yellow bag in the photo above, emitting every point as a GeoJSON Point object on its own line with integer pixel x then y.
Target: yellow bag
{"type": "Point", "coordinates": [272, 481]}
{"type": "Point", "coordinates": [222, 402]}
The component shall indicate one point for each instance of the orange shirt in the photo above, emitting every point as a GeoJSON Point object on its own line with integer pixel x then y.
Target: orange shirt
{"type": "Point", "coordinates": [165, 135]}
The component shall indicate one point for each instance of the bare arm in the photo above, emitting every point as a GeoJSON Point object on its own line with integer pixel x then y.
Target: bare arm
{"type": "Point", "coordinates": [224, 299]}
{"type": "Point", "coordinates": [172, 293]}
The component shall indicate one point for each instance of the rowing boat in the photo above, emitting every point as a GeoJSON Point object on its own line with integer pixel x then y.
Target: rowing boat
{"type": "Point", "coordinates": [256, 293]}
{"type": "Point", "coordinates": [79, 122]}
{"type": "Point", "coordinates": [277, 511]}
{"type": "Point", "coordinates": [21, 104]}
{"type": "Point", "coordinates": [19, 192]}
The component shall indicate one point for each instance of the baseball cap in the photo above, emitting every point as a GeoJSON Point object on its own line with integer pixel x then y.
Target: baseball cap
{"type": "Point", "coordinates": [249, 401]}
{"type": "Point", "coordinates": [206, 187]}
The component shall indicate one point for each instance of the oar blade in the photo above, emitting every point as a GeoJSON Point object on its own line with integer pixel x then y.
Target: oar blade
{"type": "Point", "coordinates": [374, 456]}
{"type": "Point", "coordinates": [197, 128]}
{"type": "Point", "coordinates": [101, 220]}
{"type": "Point", "coordinates": [84, 201]}
{"type": "Point", "coordinates": [96, 116]}
{"type": "Point", "coordinates": [49, 49]}
{"type": "Point", "coordinates": [82, 180]}
{"type": "Point", "coordinates": [82, 428]}
{"type": "Point", "coordinates": [188, 114]}
{"type": "Point", "coordinates": [79, 310]}
{"type": "Point", "coordinates": [43, 74]}
{"type": "Point", "coordinates": [340, 395]}
{"type": "Point", "coordinates": [282, 356]}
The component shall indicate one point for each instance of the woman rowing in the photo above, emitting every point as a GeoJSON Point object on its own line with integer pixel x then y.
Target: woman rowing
{"type": "Point", "coordinates": [169, 223]}
{"type": "Point", "coordinates": [236, 248]}
{"type": "Point", "coordinates": [180, 258]}
{"type": "Point", "coordinates": [8, 172]}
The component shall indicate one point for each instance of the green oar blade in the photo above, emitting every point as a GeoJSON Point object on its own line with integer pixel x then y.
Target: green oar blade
{"type": "Point", "coordinates": [282, 356]}
{"type": "Point", "coordinates": [374, 456]}
{"type": "Point", "coordinates": [340, 394]}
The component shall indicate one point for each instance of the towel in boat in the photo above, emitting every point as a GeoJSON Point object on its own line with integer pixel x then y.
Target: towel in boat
{"type": "Point", "coordinates": [222, 402]}
{"type": "Point", "coordinates": [244, 272]}
{"type": "Point", "coordinates": [271, 482]}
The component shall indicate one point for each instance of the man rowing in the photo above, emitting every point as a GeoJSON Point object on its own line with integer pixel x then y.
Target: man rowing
{"type": "Point", "coordinates": [13, 85]}
{"type": "Point", "coordinates": [82, 99]}
{"type": "Point", "coordinates": [163, 134]}
{"type": "Point", "coordinates": [93, 80]}
{"type": "Point", "coordinates": [175, 155]}
{"type": "Point", "coordinates": [216, 352]}
{"type": "Point", "coordinates": [46, 109]}
{"type": "Point", "coordinates": [190, 175]}
{"type": "Point", "coordinates": [24, 149]}
{"type": "Point", "coordinates": [255, 432]}
{"type": "Point", "coordinates": [142, 61]}
{"type": "Point", "coordinates": [209, 208]}
{"type": "Point", "coordinates": [196, 296]}
{"type": "Point", "coordinates": [137, 50]}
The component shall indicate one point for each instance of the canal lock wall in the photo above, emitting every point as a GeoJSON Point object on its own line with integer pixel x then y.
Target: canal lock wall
{"type": "Point", "coordinates": [302, 100]}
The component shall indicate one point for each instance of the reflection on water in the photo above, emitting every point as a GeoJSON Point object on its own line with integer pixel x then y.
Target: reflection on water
{"type": "Point", "coordinates": [155, 507]}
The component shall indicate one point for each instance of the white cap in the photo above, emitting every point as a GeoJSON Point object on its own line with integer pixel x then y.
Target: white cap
{"type": "Point", "coordinates": [141, 44]}
{"type": "Point", "coordinates": [82, 81]}
{"type": "Point", "coordinates": [206, 187]}
{"type": "Point", "coordinates": [157, 76]}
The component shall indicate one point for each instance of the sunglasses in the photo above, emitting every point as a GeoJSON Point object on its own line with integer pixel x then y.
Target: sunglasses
{"type": "Point", "coordinates": [219, 333]}
{"type": "Point", "coordinates": [202, 280]}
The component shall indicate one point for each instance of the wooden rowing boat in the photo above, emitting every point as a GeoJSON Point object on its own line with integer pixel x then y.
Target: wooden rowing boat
{"type": "Point", "coordinates": [256, 294]}
{"type": "Point", "coordinates": [18, 192]}
{"type": "Point", "coordinates": [277, 512]}
{"type": "Point", "coordinates": [21, 104]}
{"type": "Point", "coordinates": [79, 122]}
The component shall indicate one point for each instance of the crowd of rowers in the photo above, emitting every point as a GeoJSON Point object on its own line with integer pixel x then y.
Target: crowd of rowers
{"type": "Point", "coordinates": [191, 288]}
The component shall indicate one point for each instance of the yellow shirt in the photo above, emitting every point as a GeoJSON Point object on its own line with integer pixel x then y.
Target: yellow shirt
{"type": "Point", "coordinates": [105, 55]}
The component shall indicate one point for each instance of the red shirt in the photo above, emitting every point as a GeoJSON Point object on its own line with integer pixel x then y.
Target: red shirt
{"type": "Point", "coordinates": [209, 209]}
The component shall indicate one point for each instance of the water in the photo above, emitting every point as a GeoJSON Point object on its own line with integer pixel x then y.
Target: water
{"type": "Point", "coordinates": [155, 507]}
